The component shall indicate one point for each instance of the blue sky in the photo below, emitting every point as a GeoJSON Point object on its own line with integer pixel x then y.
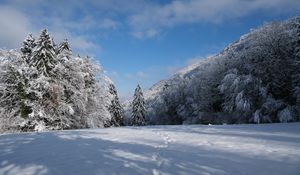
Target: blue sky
{"type": "Point", "coordinates": [140, 41]}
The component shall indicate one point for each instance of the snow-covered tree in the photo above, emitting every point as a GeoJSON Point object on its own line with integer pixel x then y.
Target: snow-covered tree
{"type": "Point", "coordinates": [138, 107]}
{"type": "Point", "coordinates": [24, 73]}
{"type": "Point", "coordinates": [285, 115]}
{"type": "Point", "coordinates": [14, 104]}
{"type": "Point", "coordinates": [64, 51]}
{"type": "Point", "coordinates": [27, 47]}
{"type": "Point", "coordinates": [92, 110]}
{"type": "Point", "coordinates": [44, 90]}
{"type": "Point", "coordinates": [242, 94]}
{"type": "Point", "coordinates": [296, 77]}
{"type": "Point", "coordinates": [115, 107]}
{"type": "Point", "coordinates": [249, 81]}
{"type": "Point", "coordinates": [69, 71]}
{"type": "Point", "coordinates": [271, 59]}
{"type": "Point", "coordinates": [12, 91]}
{"type": "Point", "coordinates": [44, 57]}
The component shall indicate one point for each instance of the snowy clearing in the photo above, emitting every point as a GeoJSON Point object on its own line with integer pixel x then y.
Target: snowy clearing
{"type": "Point", "coordinates": [195, 149]}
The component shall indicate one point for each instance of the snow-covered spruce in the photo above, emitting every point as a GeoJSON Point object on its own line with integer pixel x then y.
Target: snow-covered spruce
{"type": "Point", "coordinates": [28, 45]}
{"type": "Point", "coordinates": [43, 57]}
{"type": "Point", "coordinates": [115, 107]}
{"type": "Point", "coordinates": [138, 108]}
{"type": "Point", "coordinates": [43, 87]}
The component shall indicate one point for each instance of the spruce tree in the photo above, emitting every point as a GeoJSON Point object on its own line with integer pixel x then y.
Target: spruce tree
{"type": "Point", "coordinates": [138, 108]}
{"type": "Point", "coordinates": [23, 75]}
{"type": "Point", "coordinates": [115, 107]}
{"type": "Point", "coordinates": [27, 47]}
{"type": "Point", "coordinates": [66, 69]}
{"type": "Point", "coordinates": [64, 51]}
{"type": "Point", "coordinates": [45, 91]}
{"type": "Point", "coordinates": [44, 57]}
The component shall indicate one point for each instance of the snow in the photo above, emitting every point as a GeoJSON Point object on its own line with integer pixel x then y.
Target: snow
{"type": "Point", "coordinates": [194, 149]}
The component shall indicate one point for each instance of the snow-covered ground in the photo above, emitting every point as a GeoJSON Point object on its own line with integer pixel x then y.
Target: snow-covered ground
{"type": "Point", "coordinates": [268, 149]}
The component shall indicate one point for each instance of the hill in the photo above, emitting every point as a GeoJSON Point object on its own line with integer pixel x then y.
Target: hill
{"type": "Point", "coordinates": [253, 80]}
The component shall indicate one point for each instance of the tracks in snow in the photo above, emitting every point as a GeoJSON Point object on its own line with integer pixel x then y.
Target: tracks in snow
{"type": "Point", "coordinates": [158, 156]}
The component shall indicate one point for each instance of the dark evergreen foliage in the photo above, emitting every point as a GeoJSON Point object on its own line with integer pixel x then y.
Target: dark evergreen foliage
{"type": "Point", "coordinates": [115, 107]}
{"type": "Point", "coordinates": [43, 57]}
{"type": "Point", "coordinates": [138, 108]}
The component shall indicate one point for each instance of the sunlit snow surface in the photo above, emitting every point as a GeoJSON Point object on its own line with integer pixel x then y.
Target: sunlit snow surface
{"type": "Point", "coordinates": [269, 149]}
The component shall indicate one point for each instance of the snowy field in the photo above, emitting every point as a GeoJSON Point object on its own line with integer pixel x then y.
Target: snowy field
{"type": "Point", "coordinates": [269, 149]}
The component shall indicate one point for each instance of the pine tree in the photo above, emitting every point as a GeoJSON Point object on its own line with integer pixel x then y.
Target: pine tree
{"type": "Point", "coordinates": [26, 51]}
{"type": "Point", "coordinates": [115, 107]}
{"type": "Point", "coordinates": [45, 89]}
{"type": "Point", "coordinates": [138, 107]}
{"type": "Point", "coordinates": [66, 68]}
{"type": "Point", "coordinates": [44, 57]}
{"type": "Point", "coordinates": [64, 51]}
{"type": "Point", "coordinates": [27, 48]}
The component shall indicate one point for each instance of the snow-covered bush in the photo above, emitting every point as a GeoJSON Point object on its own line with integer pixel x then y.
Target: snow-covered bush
{"type": "Point", "coordinates": [285, 115]}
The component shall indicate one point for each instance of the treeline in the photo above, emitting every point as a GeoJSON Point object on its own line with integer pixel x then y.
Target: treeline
{"type": "Point", "coordinates": [254, 80]}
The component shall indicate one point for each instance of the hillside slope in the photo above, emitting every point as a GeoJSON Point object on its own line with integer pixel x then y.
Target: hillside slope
{"type": "Point", "coordinates": [255, 79]}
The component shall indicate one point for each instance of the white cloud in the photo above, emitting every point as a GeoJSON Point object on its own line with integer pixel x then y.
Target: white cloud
{"type": "Point", "coordinates": [14, 27]}
{"type": "Point", "coordinates": [143, 19]}
{"type": "Point", "coordinates": [136, 76]}
{"type": "Point", "coordinates": [129, 76]}
{"type": "Point", "coordinates": [77, 42]}
{"type": "Point", "coordinates": [148, 33]}
{"type": "Point", "coordinates": [89, 22]}
{"type": "Point", "coordinates": [107, 23]}
{"type": "Point", "coordinates": [114, 73]}
{"type": "Point", "coordinates": [141, 74]}
{"type": "Point", "coordinates": [82, 43]}
{"type": "Point", "coordinates": [155, 17]}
